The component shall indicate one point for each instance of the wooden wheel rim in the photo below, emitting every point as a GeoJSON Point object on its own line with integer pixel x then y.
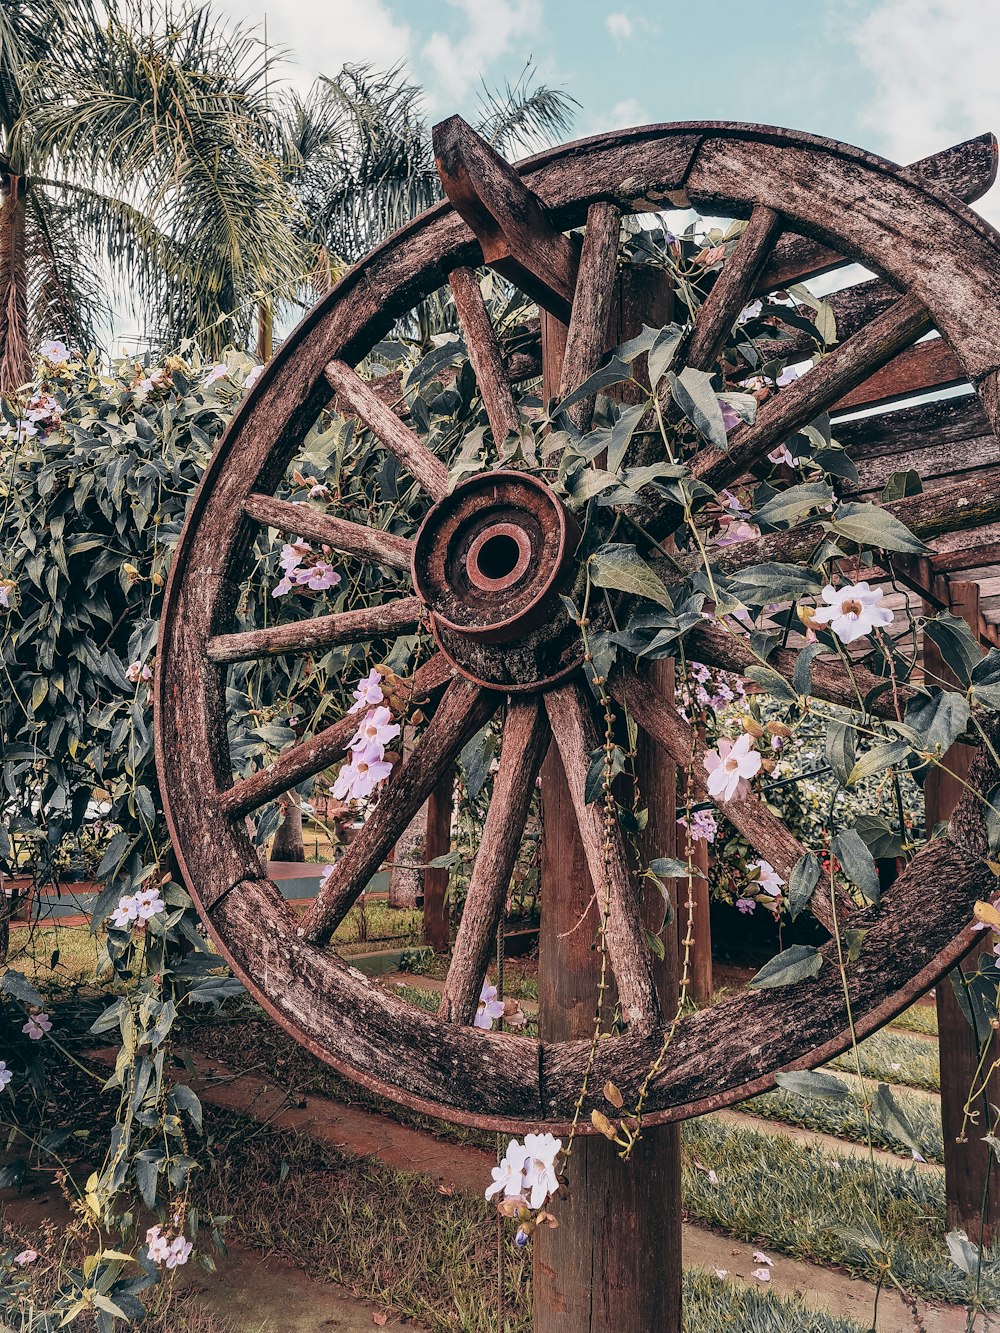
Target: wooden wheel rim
{"type": "Point", "coordinates": [495, 1080]}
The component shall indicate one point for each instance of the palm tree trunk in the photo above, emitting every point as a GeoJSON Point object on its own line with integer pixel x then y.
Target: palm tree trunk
{"type": "Point", "coordinates": [289, 842]}
{"type": "Point", "coordinates": [15, 350]}
{"type": "Point", "coordinates": [406, 881]}
{"type": "Point", "coordinates": [265, 331]}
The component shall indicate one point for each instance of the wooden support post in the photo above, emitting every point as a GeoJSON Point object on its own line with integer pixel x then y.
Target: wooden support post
{"type": "Point", "coordinates": [972, 1180]}
{"type": "Point", "coordinates": [613, 1265]}
{"type": "Point", "coordinates": [694, 908]}
{"type": "Point", "coordinates": [437, 842]}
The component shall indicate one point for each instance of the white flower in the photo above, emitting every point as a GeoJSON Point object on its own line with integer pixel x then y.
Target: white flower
{"type": "Point", "coordinates": [37, 1026]}
{"type": "Point", "coordinates": [148, 903]}
{"type": "Point", "coordinates": [762, 1274]}
{"type": "Point", "coordinates": [852, 611]}
{"type": "Point", "coordinates": [54, 351]}
{"type": "Point", "coordinates": [540, 1177]}
{"type": "Point", "coordinates": [768, 878]}
{"type": "Point", "coordinates": [759, 1257]}
{"type": "Point", "coordinates": [729, 767]}
{"type": "Point", "coordinates": [178, 1252]}
{"type": "Point", "coordinates": [25, 1257]}
{"type": "Point", "coordinates": [508, 1176]}
{"type": "Point", "coordinates": [359, 778]}
{"type": "Point", "coordinates": [252, 378]}
{"type": "Point", "coordinates": [5, 1075]}
{"type": "Point", "coordinates": [368, 693]}
{"type": "Point", "coordinates": [377, 728]}
{"type": "Point", "coordinates": [125, 913]}
{"type": "Point", "coordinates": [490, 1008]}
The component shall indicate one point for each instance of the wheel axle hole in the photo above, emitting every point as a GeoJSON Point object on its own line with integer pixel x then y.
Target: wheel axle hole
{"type": "Point", "coordinates": [497, 557]}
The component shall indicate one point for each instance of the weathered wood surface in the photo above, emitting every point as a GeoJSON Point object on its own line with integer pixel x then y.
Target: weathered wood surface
{"type": "Point", "coordinates": [972, 1186]}
{"type": "Point", "coordinates": [815, 392]}
{"type": "Point", "coordinates": [926, 365]}
{"type": "Point", "coordinates": [349, 538]}
{"type": "Point", "coordinates": [305, 636]}
{"type": "Point", "coordinates": [485, 355]}
{"type": "Point", "coordinates": [526, 737]}
{"type": "Point", "coordinates": [515, 234]}
{"type": "Point", "coordinates": [576, 736]}
{"type": "Point", "coordinates": [462, 711]}
{"type": "Point", "coordinates": [386, 426]}
{"type": "Point", "coordinates": [310, 757]}
{"type": "Point", "coordinates": [731, 290]}
{"type": "Point", "coordinates": [967, 170]}
{"type": "Point", "coordinates": [593, 299]}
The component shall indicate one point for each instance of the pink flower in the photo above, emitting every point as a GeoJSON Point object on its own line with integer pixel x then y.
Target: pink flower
{"type": "Point", "coordinates": [787, 376]}
{"type": "Point", "coordinates": [178, 1252]}
{"type": "Point", "coordinates": [5, 595]}
{"type": "Point", "coordinates": [37, 1026]}
{"type": "Point", "coordinates": [368, 693]}
{"type": "Point", "coordinates": [319, 576]}
{"type": "Point", "coordinates": [730, 767]}
{"type": "Point", "coordinates": [702, 827]}
{"type": "Point", "coordinates": [733, 533]}
{"type": "Point", "coordinates": [781, 455]}
{"type": "Point", "coordinates": [730, 417]}
{"type": "Point", "coordinates": [318, 489]}
{"type": "Point", "coordinates": [358, 779]}
{"type": "Point", "coordinates": [137, 671]}
{"type": "Point", "coordinates": [252, 378]}
{"type": "Point", "coordinates": [25, 1257]}
{"type": "Point", "coordinates": [490, 1008]}
{"type": "Point", "coordinates": [746, 905]}
{"type": "Point", "coordinates": [377, 728]}
{"type": "Point", "coordinates": [220, 371]}
{"type": "Point", "coordinates": [125, 913]}
{"type": "Point", "coordinates": [292, 554]}
{"type": "Point", "coordinates": [768, 878]}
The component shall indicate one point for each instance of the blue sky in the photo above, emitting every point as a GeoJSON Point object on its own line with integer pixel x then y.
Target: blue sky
{"type": "Point", "coordinates": [900, 77]}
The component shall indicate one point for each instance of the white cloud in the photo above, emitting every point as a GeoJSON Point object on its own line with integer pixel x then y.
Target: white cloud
{"type": "Point", "coordinates": [323, 35]}
{"type": "Point", "coordinates": [619, 26]}
{"type": "Point", "coordinates": [622, 116]}
{"type": "Point", "coordinates": [933, 65]}
{"type": "Point", "coordinates": [493, 29]}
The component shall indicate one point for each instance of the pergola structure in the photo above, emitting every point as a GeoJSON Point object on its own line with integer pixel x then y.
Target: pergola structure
{"type": "Point", "coordinates": [487, 568]}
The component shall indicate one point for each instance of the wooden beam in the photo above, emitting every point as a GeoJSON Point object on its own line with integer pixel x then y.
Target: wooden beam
{"type": "Point", "coordinates": [924, 366]}
{"type": "Point", "coordinates": [437, 842]}
{"type": "Point", "coordinates": [509, 221]}
{"type": "Point", "coordinates": [972, 1183]}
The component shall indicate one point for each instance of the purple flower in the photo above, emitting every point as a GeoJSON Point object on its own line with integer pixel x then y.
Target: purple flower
{"type": "Point", "coordinates": [730, 417]}
{"type": "Point", "coordinates": [368, 693]}
{"type": "Point", "coordinates": [37, 1026]}
{"type": "Point", "coordinates": [746, 905]}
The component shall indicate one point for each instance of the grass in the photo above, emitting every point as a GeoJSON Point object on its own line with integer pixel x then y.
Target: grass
{"type": "Point", "coordinates": [919, 1018]}
{"type": "Point", "coordinates": [894, 1057]}
{"type": "Point", "coordinates": [396, 1240]}
{"type": "Point", "coordinates": [846, 1119]}
{"type": "Point", "coordinates": [803, 1202]}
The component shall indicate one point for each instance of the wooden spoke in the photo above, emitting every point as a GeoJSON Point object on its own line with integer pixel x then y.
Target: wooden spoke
{"type": "Point", "coordinates": [357, 397]}
{"type": "Point", "coordinates": [718, 647]}
{"type": "Point", "coordinates": [587, 339]}
{"type": "Point", "coordinates": [350, 538]}
{"type": "Point", "coordinates": [526, 737]}
{"type": "Point", "coordinates": [732, 289]}
{"type": "Point", "coordinates": [303, 636]}
{"type": "Point", "coordinates": [795, 406]}
{"type": "Point", "coordinates": [485, 355]}
{"type": "Point", "coordinates": [312, 756]}
{"type": "Point", "coordinates": [576, 736]}
{"type": "Point", "coordinates": [463, 710]}
{"type": "Point", "coordinates": [762, 829]}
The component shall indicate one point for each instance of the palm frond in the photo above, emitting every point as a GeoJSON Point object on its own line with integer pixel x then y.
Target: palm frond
{"type": "Point", "coordinates": [522, 117]}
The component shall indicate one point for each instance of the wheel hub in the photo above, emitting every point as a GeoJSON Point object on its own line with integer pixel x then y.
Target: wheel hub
{"type": "Point", "coordinates": [490, 563]}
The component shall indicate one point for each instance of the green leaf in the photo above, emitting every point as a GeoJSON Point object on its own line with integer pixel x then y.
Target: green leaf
{"type": "Point", "coordinates": [774, 682]}
{"type": "Point", "coordinates": [792, 965]}
{"type": "Point", "coordinates": [790, 505]}
{"type": "Point", "coordinates": [671, 867]}
{"type": "Point", "coordinates": [772, 582]}
{"type": "Point", "coordinates": [900, 485]}
{"type": "Point", "coordinates": [869, 525]}
{"type": "Point", "coordinates": [879, 837]}
{"type": "Point", "coordinates": [802, 883]}
{"type": "Point", "coordinates": [840, 747]}
{"type": "Point", "coordinates": [892, 1117]}
{"type": "Point", "coordinates": [813, 1083]}
{"type": "Point", "coordinates": [986, 680]}
{"type": "Point", "coordinates": [964, 1254]}
{"type": "Point", "coordinates": [694, 395]}
{"type": "Point", "coordinates": [879, 757]}
{"type": "Point", "coordinates": [958, 646]}
{"type": "Point", "coordinates": [938, 718]}
{"type": "Point", "coordinates": [857, 863]}
{"type": "Point", "coordinates": [614, 371]}
{"type": "Point", "coordinates": [802, 676]}
{"type": "Point", "coordinates": [661, 354]}
{"type": "Point", "coordinates": [18, 987]}
{"type": "Point", "coordinates": [620, 566]}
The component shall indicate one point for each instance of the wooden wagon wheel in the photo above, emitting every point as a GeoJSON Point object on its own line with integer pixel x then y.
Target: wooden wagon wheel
{"type": "Point", "coordinates": [489, 563]}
